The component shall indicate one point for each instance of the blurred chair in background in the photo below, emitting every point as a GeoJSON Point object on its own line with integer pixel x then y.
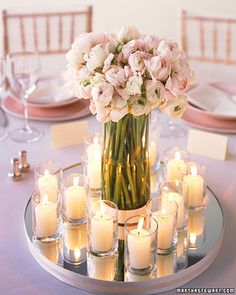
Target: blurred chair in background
{"type": "Point", "coordinates": [48, 33]}
{"type": "Point", "coordinates": [209, 43]}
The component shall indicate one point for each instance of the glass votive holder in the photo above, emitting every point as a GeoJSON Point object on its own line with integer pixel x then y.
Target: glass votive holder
{"type": "Point", "coordinates": [46, 218]}
{"type": "Point", "coordinates": [177, 190]}
{"type": "Point", "coordinates": [92, 147]}
{"type": "Point", "coordinates": [165, 213]}
{"type": "Point", "coordinates": [75, 196]}
{"type": "Point", "coordinates": [101, 268]}
{"type": "Point", "coordinates": [175, 160]}
{"type": "Point", "coordinates": [196, 181]}
{"type": "Point", "coordinates": [103, 228]}
{"type": "Point", "coordinates": [166, 264]}
{"type": "Point", "coordinates": [141, 246]}
{"type": "Point", "coordinates": [93, 171]}
{"type": "Point", "coordinates": [74, 243]}
{"type": "Point", "coordinates": [48, 177]}
{"type": "Point", "coordinates": [154, 153]}
{"type": "Point", "coordinates": [196, 229]}
{"type": "Point", "coordinates": [182, 249]}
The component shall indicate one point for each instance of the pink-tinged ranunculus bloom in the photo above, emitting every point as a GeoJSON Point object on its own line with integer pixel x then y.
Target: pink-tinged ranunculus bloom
{"type": "Point", "coordinates": [119, 109]}
{"type": "Point", "coordinates": [133, 85]}
{"type": "Point", "coordinates": [155, 92]}
{"type": "Point", "coordinates": [107, 62]}
{"type": "Point", "coordinates": [138, 106]}
{"type": "Point", "coordinates": [123, 92]}
{"type": "Point", "coordinates": [92, 107]}
{"type": "Point", "coordinates": [150, 41]}
{"type": "Point", "coordinates": [102, 94]}
{"type": "Point", "coordinates": [136, 61]}
{"type": "Point", "coordinates": [116, 76]}
{"type": "Point", "coordinates": [131, 47]}
{"type": "Point", "coordinates": [103, 113]}
{"type": "Point", "coordinates": [86, 41]}
{"type": "Point", "coordinates": [75, 58]}
{"type": "Point", "coordinates": [96, 57]}
{"type": "Point", "coordinates": [158, 67]}
{"type": "Point", "coordinates": [83, 91]}
{"type": "Point", "coordinates": [169, 50]}
{"type": "Point", "coordinates": [177, 83]}
{"type": "Point", "coordinates": [175, 106]}
{"type": "Point", "coordinates": [127, 33]}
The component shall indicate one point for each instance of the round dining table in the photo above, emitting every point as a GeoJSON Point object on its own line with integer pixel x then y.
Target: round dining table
{"type": "Point", "coordinates": [20, 274]}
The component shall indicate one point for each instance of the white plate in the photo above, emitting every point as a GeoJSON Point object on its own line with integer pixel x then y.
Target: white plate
{"type": "Point", "coordinates": [216, 99]}
{"type": "Point", "coordinates": [50, 93]}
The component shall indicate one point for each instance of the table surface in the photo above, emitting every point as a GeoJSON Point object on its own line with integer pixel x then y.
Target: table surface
{"type": "Point", "coordinates": [21, 274]}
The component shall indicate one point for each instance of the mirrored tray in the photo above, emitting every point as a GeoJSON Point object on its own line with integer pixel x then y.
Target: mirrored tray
{"type": "Point", "coordinates": [202, 249]}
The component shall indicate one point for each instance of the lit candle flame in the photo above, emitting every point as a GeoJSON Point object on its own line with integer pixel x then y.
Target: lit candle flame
{"type": "Point", "coordinates": [140, 225]}
{"type": "Point", "coordinates": [177, 156]}
{"type": "Point", "coordinates": [95, 140]}
{"type": "Point", "coordinates": [102, 210]}
{"type": "Point", "coordinates": [77, 253]}
{"type": "Point", "coordinates": [163, 212]}
{"type": "Point", "coordinates": [192, 238]}
{"type": "Point", "coordinates": [46, 172]}
{"type": "Point", "coordinates": [193, 170]}
{"type": "Point", "coordinates": [45, 199]}
{"type": "Point", "coordinates": [76, 181]}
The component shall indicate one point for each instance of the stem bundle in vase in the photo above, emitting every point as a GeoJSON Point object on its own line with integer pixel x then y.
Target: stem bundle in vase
{"type": "Point", "coordinates": [125, 162]}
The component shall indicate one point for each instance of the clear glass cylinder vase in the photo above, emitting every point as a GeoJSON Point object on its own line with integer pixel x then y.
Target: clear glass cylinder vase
{"type": "Point", "coordinates": [125, 162]}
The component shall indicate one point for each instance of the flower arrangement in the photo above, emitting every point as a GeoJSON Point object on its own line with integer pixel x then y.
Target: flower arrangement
{"type": "Point", "coordinates": [128, 73]}
{"type": "Point", "coordinates": [125, 76]}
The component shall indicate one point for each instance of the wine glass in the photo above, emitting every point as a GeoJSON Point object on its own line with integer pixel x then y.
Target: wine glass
{"type": "Point", "coordinates": [3, 133]}
{"type": "Point", "coordinates": [170, 129]}
{"type": "Point", "coordinates": [23, 72]}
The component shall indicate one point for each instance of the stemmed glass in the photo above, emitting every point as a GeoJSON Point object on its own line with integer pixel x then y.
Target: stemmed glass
{"type": "Point", "coordinates": [3, 133]}
{"type": "Point", "coordinates": [23, 72]}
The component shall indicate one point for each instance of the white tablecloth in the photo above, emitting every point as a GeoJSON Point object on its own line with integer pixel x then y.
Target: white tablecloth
{"type": "Point", "coordinates": [20, 274]}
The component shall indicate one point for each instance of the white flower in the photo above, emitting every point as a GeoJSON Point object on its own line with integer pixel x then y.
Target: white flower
{"type": "Point", "coordinates": [119, 108]}
{"type": "Point", "coordinates": [155, 91]}
{"type": "Point", "coordinates": [86, 41]}
{"type": "Point", "coordinates": [175, 106]}
{"type": "Point", "coordinates": [133, 85]}
{"type": "Point", "coordinates": [127, 33]}
{"type": "Point", "coordinates": [139, 106]}
{"type": "Point", "coordinates": [115, 76]}
{"type": "Point", "coordinates": [96, 57]}
{"type": "Point", "coordinates": [75, 58]}
{"type": "Point", "coordinates": [102, 94]}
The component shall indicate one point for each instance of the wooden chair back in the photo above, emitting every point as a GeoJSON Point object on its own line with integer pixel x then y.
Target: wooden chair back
{"type": "Point", "coordinates": [208, 39]}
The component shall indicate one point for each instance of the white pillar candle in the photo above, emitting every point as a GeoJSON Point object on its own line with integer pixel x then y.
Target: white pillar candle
{"type": "Point", "coordinates": [173, 196]}
{"type": "Point", "coordinates": [139, 245]}
{"type": "Point", "coordinates": [102, 231]}
{"type": "Point", "coordinates": [48, 185]}
{"type": "Point", "coordinates": [165, 228]}
{"type": "Point", "coordinates": [153, 153]}
{"type": "Point", "coordinates": [46, 218]}
{"type": "Point", "coordinates": [75, 200]}
{"type": "Point", "coordinates": [195, 184]}
{"type": "Point", "coordinates": [94, 150]}
{"type": "Point", "coordinates": [94, 174]}
{"type": "Point", "coordinates": [176, 167]}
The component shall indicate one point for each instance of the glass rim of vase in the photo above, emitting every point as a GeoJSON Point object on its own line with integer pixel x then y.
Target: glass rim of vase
{"type": "Point", "coordinates": [136, 223]}
{"type": "Point", "coordinates": [201, 169]}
